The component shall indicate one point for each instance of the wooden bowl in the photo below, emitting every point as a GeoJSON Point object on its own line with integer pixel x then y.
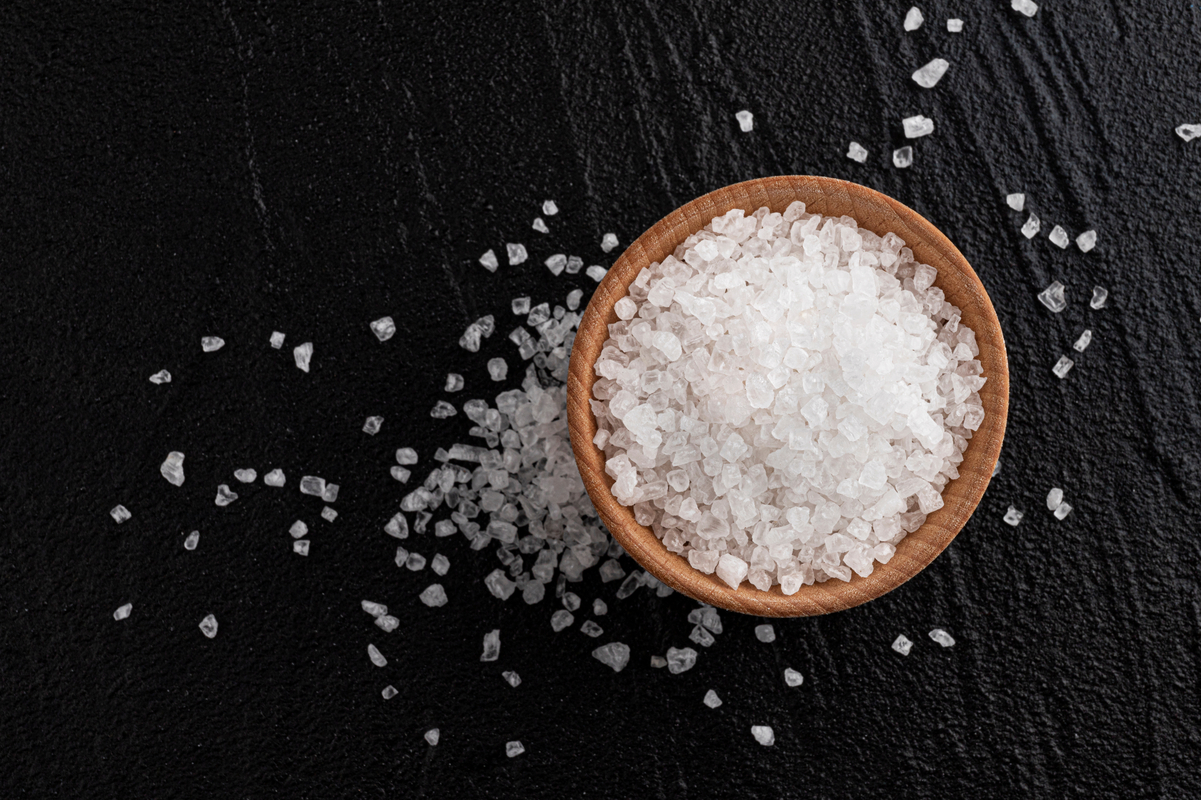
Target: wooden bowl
{"type": "Point", "coordinates": [877, 213]}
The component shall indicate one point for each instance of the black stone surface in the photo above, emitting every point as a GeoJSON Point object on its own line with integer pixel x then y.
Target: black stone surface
{"type": "Point", "coordinates": [233, 169]}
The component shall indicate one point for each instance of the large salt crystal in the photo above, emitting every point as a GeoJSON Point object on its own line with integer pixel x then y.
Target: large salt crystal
{"type": "Point", "coordinates": [123, 611]}
{"type": "Point", "coordinates": [954, 25]}
{"type": "Point", "coordinates": [680, 660]}
{"type": "Point", "coordinates": [1016, 201]}
{"type": "Point", "coordinates": [210, 344]}
{"type": "Point", "coordinates": [930, 74]}
{"type": "Point", "coordinates": [913, 19]}
{"type": "Point", "coordinates": [161, 377]}
{"type": "Point", "coordinates": [857, 152]}
{"type": "Point", "coordinates": [1086, 241]}
{"type": "Point", "coordinates": [383, 328]}
{"type": "Point", "coordinates": [1188, 132]}
{"type": "Point", "coordinates": [1100, 295]}
{"type": "Point", "coordinates": [902, 645]}
{"type": "Point", "coordinates": [1083, 341]}
{"type": "Point", "coordinates": [120, 513]}
{"type": "Point", "coordinates": [225, 496]}
{"type": "Point", "coordinates": [1031, 227]}
{"type": "Point", "coordinates": [540, 226]}
{"type": "Point", "coordinates": [1052, 297]}
{"type": "Point", "coordinates": [1062, 367]}
{"type": "Point", "coordinates": [746, 121]}
{"type": "Point", "coordinates": [517, 253]}
{"type": "Point", "coordinates": [763, 735]}
{"type": "Point", "coordinates": [1059, 237]}
{"type": "Point", "coordinates": [172, 468]}
{"type": "Point", "coordinates": [208, 626]}
{"type": "Point", "coordinates": [491, 646]}
{"type": "Point", "coordinates": [1027, 7]}
{"type": "Point", "coordinates": [433, 595]}
{"type": "Point", "coordinates": [902, 157]}
{"type": "Point", "coordinates": [616, 655]}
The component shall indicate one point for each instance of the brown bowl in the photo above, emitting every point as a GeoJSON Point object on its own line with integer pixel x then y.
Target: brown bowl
{"type": "Point", "coordinates": [877, 213]}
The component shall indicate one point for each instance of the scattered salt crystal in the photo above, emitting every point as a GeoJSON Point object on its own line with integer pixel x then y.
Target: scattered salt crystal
{"type": "Point", "coordinates": [658, 662]}
{"type": "Point", "coordinates": [680, 660]}
{"type": "Point", "coordinates": [161, 377]}
{"type": "Point", "coordinates": [902, 157]}
{"type": "Point", "coordinates": [246, 475]}
{"type": "Point", "coordinates": [514, 748]}
{"type": "Point", "coordinates": [402, 556]}
{"type": "Point", "coordinates": [746, 120]}
{"type": "Point", "coordinates": [591, 629]}
{"type": "Point", "coordinates": [375, 656]}
{"type": "Point", "coordinates": [303, 354]}
{"type": "Point", "coordinates": [489, 260]}
{"type": "Point", "coordinates": [371, 425]}
{"type": "Point", "coordinates": [902, 645]}
{"type": "Point", "coordinates": [1052, 297]}
{"type": "Point", "coordinates": [225, 496]}
{"type": "Point", "coordinates": [374, 609]}
{"type": "Point", "coordinates": [955, 26]}
{"type": "Point", "coordinates": [442, 410]}
{"type": "Point", "coordinates": [400, 474]}
{"type": "Point", "coordinates": [1016, 201]}
{"type": "Point", "coordinates": [1188, 132]}
{"type": "Point", "coordinates": [312, 485]}
{"type": "Point", "coordinates": [765, 633]}
{"type": "Point", "coordinates": [1027, 7]}
{"type": "Point", "coordinates": [499, 584]}
{"type": "Point", "coordinates": [1013, 516]}
{"type": "Point", "coordinates": [298, 529]}
{"type": "Point", "coordinates": [120, 513]}
{"type": "Point", "coordinates": [301, 547]}
{"type": "Point", "coordinates": [556, 263]}
{"type": "Point", "coordinates": [793, 678]}
{"type": "Point", "coordinates": [571, 601]}
{"type": "Point", "coordinates": [1062, 511]}
{"type": "Point", "coordinates": [516, 253]}
{"type": "Point", "coordinates": [406, 456]}
{"type": "Point", "coordinates": [277, 339]}
{"type": "Point", "coordinates": [942, 638]}
{"type": "Point", "coordinates": [616, 655]}
{"type": "Point", "coordinates": [498, 369]}
{"type": "Point", "coordinates": [172, 468]}
{"type": "Point", "coordinates": [210, 344]}
{"type": "Point", "coordinates": [930, 74]}
{"type": "Point", "coordinates": [122, 611]}
{"type": "Point", "coordinates": [1031, 227]}
{"type": "Point", "coordinates": [387, 623]}
{"type": "Point", "coordinates": [1086, 241]}
{"type": "Point", "coordinates": [711, 700]}
{"type": "Point", "coordinates": [328, 514]}
{"type": "Point", "coordinates": [540, 226]}
{"type": "Point", "coordinates": [731, 569]}
{"type": "Point", "coordinates": [763, 734]}
{"type": "Point", "coordinates": [1054, 498]}
{"type": "Point", "coordinates": [599, 607]}
{"type": "Point", "coordinates": [574, 265]}
{"type": "Point", "coordinates": [1083, 341]}
{"type": "Point", "coordinates": [573, 299]}
{"type": "Point", "coordinates": [434, 595]}
{"type": "Point", "coordinates": [208, 626]}
{"type": "Point", "coordinates": [561, 620]}
{"type": "Point", "coordinates": [1100, 294]}
{"type": "Point", "coordinates": [611, 570]}
{"type": "Point", "coordinates": [701, 636]}
{"type": "Point", "coordinates": [857, 152]}
{"type": "Point", "coordinates": [440, 564]}
{"type": "Point", "coordinates": [511, 677]}
{"type": "Point", "coordinates": [1059, 237]}
{"type": "Point", "coordinates": [192, 541]}
{"type": "Point", "coordinates": [491, 646]}
{"type": "Point", "coordinates": [596, 273]}
{"type": "Point", "coordinates": [608, 242]}
{"type": "Point", "coordinates": [389, 693]}
{"type": "Point", "coordinates": [549, 208]}
{"type": "Point", "coordinates": [415, 562]}
{"type": "Point", "coordinates": [913, 19]}
{"type": "Point", "coordinates": [1062, 366]}
{"type": "Point", "coordinates": [383, 328]}
{"type": "Point", "coordinates": [521, 305]}
{"type": "Point", "coordinates": [432, 736]}
{"type": "Point", "coordinates": [275, 478]}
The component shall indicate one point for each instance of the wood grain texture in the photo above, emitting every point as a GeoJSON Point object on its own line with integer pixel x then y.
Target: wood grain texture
{"type": "Point", "coordinates": [877, 213]}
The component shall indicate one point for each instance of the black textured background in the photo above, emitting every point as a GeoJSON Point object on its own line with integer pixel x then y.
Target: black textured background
{"type": "Point", "coordinates": [233, 169]}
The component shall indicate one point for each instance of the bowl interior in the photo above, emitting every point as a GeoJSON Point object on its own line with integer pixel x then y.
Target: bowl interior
{"type": "Point", "coordinates": [877, 213]}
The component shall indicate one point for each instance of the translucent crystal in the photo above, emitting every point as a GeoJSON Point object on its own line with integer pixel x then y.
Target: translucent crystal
{"type": "Point", "coordinates": [298, 529]}
{"type": "Point", "coordinates": [511, 677]}
{"type": "Point", "coordinates": [383, 328]}
{"type": "Point", "coordinates": [611, 570]}
{"type": "Point", "coordinates": [432, 736]}
{"type": "Point", "coordinates": [440, 564]}
{"type": "Point", "coordinates": [573, 299]}
{"type": "Point", "coordinates": [608, 242]}
{"type": "Point", "coordinates": [1100, 294]}
{"type": "Point", "coordinates": [1188, 132]}
{"type": "Point", "coordinates": [1062, 511]}
{"type": "Point", "coordinates": [433, 595]}
{"type": "Point", "coordinates": [746, 120]}
{"type": "Point", "coordinates": [374, 609]}
{"type": "Point", "coordinates": [172, 468]}
{"type": "Point", "coordinates": [301, 547]}
{"type": "Point", "coordinates": [122, 611]}
{"type": "Point", "coordinates": [913, 19]}
{"type": "Point", "coordinates": [556, 263]}
{"type": "Point", "coordinates": [1031, 227]}
{"type": "Point", "coordinates": [1016, 201]}
{"type": "Point", "coordinates": [902, 645]}
{"type": "Point", "coordinates": [763, 734]}
{"type": "Point", "coordinates": [371, 425]}
{"type": "Point", "coordinates": [499, 584]}
{"type": "Point", "coordinates": [389, 693]}
{"type": "Point", "coordinates": [208, 626]}
{"type": "Point", "coordinates": [902, 157]}
{"type": "Point", "coordinates": [596, 273]}
{"type": "Point", "coordinates": [599, 607]}
{"type": "Point", "coordinates": [1013, 516]}
{"type": "Point", "coordinates": [312, 485]}
{"type": "Point", "coordinates": [489, 260]}
{"type": "Point", "coordinates": [1086, 241]}
{"type": "Point", "coordinates": [561, 619]}
{"type": "Point", "coordinates": [1083, 341]}
{"type": "Point", "coordinates": [1054, 498]}
{"type": "Point", "coordinates": [514, 748]}
{"type": "Point", "coordinates": [328, 514]}
{"type": "Point", "coordinates": [375, 656]}
{"type": "Point", "coordinates": [571, 601]}
{"type": "Point", "coordinates": [574, 265]}
{"type": "Point", "coordinates": [498, 369]}
{"type": "Point", "coordinates": [210, 344]}
{"type": "Point", "coordinates": [857, 152]}
{"type": "Point", "coordinates": [616, 655]}
{"type": "Point", "coordinates": [1052, 297]}
{"type": "Point", "coordinates": [442, 410]}
{"type": "Point", "coordinates": [516, 253]}
{"type": "Point", "coordinates": [765, 633]}
{"type": "Point", "coordinates": [701, 636]}
{"type": "Point", "coordinates": [246, 475]}
{"type": "Point", "coordinates": [680, 660]}
{"type": "Point", "coordinates": [1059, 237]}
{"type": "Point", "coordinates": [192, 541]}
{"type": "Point", "coordinates": [303, 354]}
{"type": "Point", "coordinates": [1027, 7]}
{"type": "Point", "coordinates": [161, 377]}
{"type": "Point", "coordinates": [275, 478]}
{"type": "Point", "coordinates": [120, 513]}
{"type": "Point", "coordinates": [955, 26]}
{"type": "Point", "coordinates": [1062, 366]}
{"type": "Point", "coordinates": [549, 208]}
{"type": "Point", "coordinates": [711, 700]}
{"type": "Point", "coordinates": [521, 305]}
{"type": "Point", "coordinates": [387, 622]}
{"type": "Point", "coordinates": [540, 226]}
{"type": "Point", "coordinates": [225, 496]}
{"type": "Point", "coordinates": [941, 637]}
{"type": "Point", "coordinates": [658, 662]}
{"type": "Point", "coordinates": [491, 646]}
{"type": "Point", "coordinates": [415, 562]}
{"type": "Point", "coordinates": [930, 74]}
{"type": "Point", "coordinates": [406, 456]}
{"type": "Point", "coordinates": [793, 678]}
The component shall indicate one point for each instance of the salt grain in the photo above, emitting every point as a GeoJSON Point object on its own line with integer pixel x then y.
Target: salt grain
{"type": "Point", "coordinates": [701, 636]}
{"type": "Point", "coordinates": [793, 678]}
{"type": "Point", "coordinates": [192, 541]}
{"type": "Point", "coordinates": [406, 456]}
{"type": "Point", "coordinates": [902, 157]}
{"type": "Point", "coordinates": [374, 609]}
{"type": "Point", "coordinates": [561, 620]}
{"type": "Point", "coordinates": [375, 656]}
{"type": "Point", "coordinates": [301, 547]}
{"type": "Point", "coordinates": [298, 529]}
{"type": "Point", "coordinates": [1086, 241]}
{"type": "Point", "coordinates": [432, 736]}
{"type": "Point", "coordinates": [517, 253]}
{"type": "Point", "coordinates": [1030, 229]}
{"type": "Point", "coordinates": [498, 369]}
{"type": "Point", "coordinates": [275, 478]}
{"type": "Point", "coordinates": [440, 564]}
{"type": "Point", "coordinates": [658, 662]}
{"type": "Point", "coordinates": [161, 377]}
{"type": "Point", "coordinates": [1062, 366]}
{"type": "Point", "coordinates": [415, 562]}
{"type": "Point", "coordinates": [549, 208]}
{"type": "Point", "coordinates": [372, 424]}
{"type": "Point", "coordinates": [680, 660]}
{"type": "Point", "coordinates": [1100, 295]}
{"type": "Point", "coordinates": [1027, 7]}
{"type": "Point", "coordinates": [225, 496]}
{"type": "Point", "coordinates": [930, 74]}
{"type": "Point", "coordinates": [208, 626]}
{"type": "Point", "coordinates": [1062, 511]}
{"type": "Point", "coordinates": [1016, 201]}
{"type": "Point", "coordinates": [941, 637]}
{"type": "Point", "coordinates": [857, 152]}
{"type": "Point", "coordinates": [120, 513]}
{"type": "Point", "coordinates": [591, 629]}
{"type": "Point", "coordinates": [328, 514]}
{"type": "Point", "coordinates": [1083, 341]}
{"type": "Point", "coordinates": [511, 677]}
{"type": "Point", "coordinates": [246, 475]}
{"type": "Point", "coordinates": [540, 226]}
{"type": "Point", "coordinates": [520, 306]}
{"type": "Point", "coordinates": [596, 273]}
{"type": "Point", "coordinates": [599, 607]}
{"type": "Point", "coordinates": [616, 655]}
{"type": "Point", "coordinates": [765, 633]}
{"type": "Point", "coordinates": [303, 354]}
{"type": "Point", "coordinates": [573, 299]}
{"type": "Point", "coordinates": [556, 264]}
{"type": "Point", "coordinates": [1052, 297]}
{"type": "Point", "coordinates": [608, 242]}
{"type": "Point", "coordinates": [1188, 132]}
{"type": "Point", "coordinates": [443, 410]}
{"type": "Point", "coordinates": [172, 468]}
{"type": "Point", "coordinates": [954, 25]}
{"type": "Point", "coordinates": [1054, 498]}
{"type": "Point", "coordinates": [711, 700]}
{"type": "Point", "coordinates": [514, 748]}
{"type": "Point", "coordinates": [387, 623]}
{"type": "Point", "coordinates": [489, 260]}
{"type": "Point", "coordinates": [383, 328]}
{"type": "Point", "coordinates": [902, 645]}
{"type": "Point", "coordinates": [917, 126]}
{"type": "Point", "coordinates": [389, 693]}
{"type": "Point", "coordinates": [312, 485]}
{"type": "Point", "coordinates": [122, 612]}
{"type": "Point", "coordinates": [491, 646]}
{"type": "Point", "coordinates": [913, 19]}
{"type": "Point", "coordinates": [1013, 516]}
{"type": "Point", "coordinates": [210, 344]}
{"type": "Point", "coordinates": [1059, 237]}
{"type": "Point", "coordinates": [763, 735]}
{"type": "Point", "coordinates": [746, 121]}
{"type": "Point", "coordinates": [434, 595]}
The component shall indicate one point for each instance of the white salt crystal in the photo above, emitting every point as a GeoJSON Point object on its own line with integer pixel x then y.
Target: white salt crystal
{"type": "Point", "coordinates": [432, 736]}
{"type": "Point", "coordinates": [765, 633]}
{"type": "Point", "coordinates": [499, 584]}
{"type": "Point", "coordinates": [387, 622]}
{"type": "Point", "coordinates": [406, 456]}
{"type": "Point", "coordinates": [371, 425]}
{"type": "Point", "coordinates": [277, 339]}
{"type": "Point", "coordinates": [1188, 132]}
{"type": "Point", "coordinates": [442, 410]}
{"type": "Point", "coordinates": [763, 734]}
{"type": "Point", "coordinates": [415, 562]}
{"type": "Point", "coordinates": [611, 570]}
{"type": "Point", "coordinates": [512, 678]}
{"type": "Point", "coordinates": [540, 226]}
{"type": "Point", "coordinates": [913, 19]}
{"type": "Point", "coordinates": [1083, 341]}
{"type": "Point", "coordinates": [514, 748]}
{"type": "Point", "coordinates": [930, 74]}
{"type": "Point", "coordinates": [275, 478]}
{"type": "Point", "coordinates": [383, 328]}
{"type": "Point", "coordinates": [746, 120]}
{"type": "Point", "coordinates": [192, 541]}
{"type": "Point", "coordinates": [172, 468]}
{"type": "Point", "coordinates": [561, 620]}
{"type": "Point", "coordinates": [1027, 7]}
{"type": "Point", "coordinates": [1052, 297]}
{"type": "Point", "coordinates": [389, 693]}
{"type": "Point", "coordinates": [312, 485]}
{"type": "Point", "coordinates": [702, 637]}
{"type": "Point", "coordinates": [941, 637]}
{"type": "Point", "coordinates": [298, 529]}
{"type": "Point", "coordinates": [440, 564]}
{"type": "Point", "coordinates": [955, 26]}
{"type": "Point", "coordinates": [680, 660]}
{"type": "Point", "coordinates": [433, 595]}
{"type": "Point", "coordinates": [731, 570]}
{"type": "Point", "coordinates": [246, 475]}
{"type": "Point", "coordinates": [225, 496]}
{"type": "Point", "coordinates": [400, 474]}
{"type": "Point", "coordinates": [902, 157]}
{"type": "Point", "coordinates": [596, 272]}
{"type": "Point", "coordinates": [301, 547]}
{"type": "Point", "coordinates": [303, 354]}
{"type": "Point", "coordinates": [591, 629]}
{"type": "Point", "coordinates": [516, 253]}
{"type": "Point", "coordinates": [491, 646]}
{"type": "Point", "coordinates": [498, 369]}
{"type": "Point", "coordinates": [1031, 227]}
{"type": "Point", "coordinates": [658, 662]}
{"type": "Point", "coordinates": [1059, 237]}
{"type": "Point", "coordinates": [375, 656]}
{"type": "Point", "coordinates": [616, 655]}
{"type": "Point", "coordinates": [1086, 241]}
{"type": "Point", "coordinates": [331, 493]}
{"type": "Point", "coordinates": [1062, 511]}
{"type": "Point", "coordinates": [599, 607]}
{"type": "Point", "coordinates": [1054, 498]}
{"type": "Point", "coordinates": [793, 678]}
{"type": "Point", "coordinates": [902, 645]}
{"type": "Point", "coordinates": [208, 626]}
{"type": "Point", "coordinates": [210, 344]}
{"type": "Point", "coordinates": [1062, 366]}
{"type": "Point", "coordinates": [711, 699]}
{"type": "Point", "coordinates": [1013, 516]}
{"type": "Point", "coordinates": [549, 208]}
{"type": "Point", "coordinates": [374, 609]}
{"type": "Point", "coordinates": [571, 601]}
{"type": "Point", "coordinates": [608, 242]}
{"type": "Point", "coordinates": [556, 263]}
{"type": "Point", "coordinates": [573, 299]}
{"type": "Point", "coordinates": [521, 305]}
{"type": "Point", "coordinates": [1100, 294]}
{"type": "Point", "coordinates": [328, 514]}
{"type": "Point", "coordinates": [120, 513]}
{"type": "Point", "coordinates": [161, 377]}
{"type": "Point", "coordinates": [1016, 201]}
{"type": "Point", "coordinates": [857, 152]}
{"type": "Point", "coordinates": [122, 611]}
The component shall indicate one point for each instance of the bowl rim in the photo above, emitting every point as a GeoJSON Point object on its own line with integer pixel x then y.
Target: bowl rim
{"type": "Point", "coordinates": [961, 495]}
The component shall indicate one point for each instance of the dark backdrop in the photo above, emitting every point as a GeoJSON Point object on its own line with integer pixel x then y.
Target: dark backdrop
{"type": "Point", "coordinates": [239, 168]}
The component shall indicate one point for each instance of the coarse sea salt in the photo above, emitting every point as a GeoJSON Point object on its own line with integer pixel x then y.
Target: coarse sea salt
{"type": "Point", "coordinates": [161, 377]}
{"type": "Point", "coordinates": [746, 121]}
{"type": "Point", "coordinates": [1188, 132]}
{"type": "Point", "coordinates": [1016, 201]}
{"type": "Point", "coordinates": [902, 157]}
{"type": "Point", "coordinates": [954, 25]}
{"type": "Point", "coordinates": [917, 126]}
{"type": "Point", "coordinates": [303, 355]}
{"type": "Point", "coordinates": [277, 339]}
{"type": "Point", "coordinates": [1027, 7]}
{"type": "Point", "coordinates": [785, 397]}
{"type": "Point", "coordinates": [913, 19]}
{"type": "Point", "coordinates": [857, 152]}
{"type": "Point", "coordinates": [930, 74]}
